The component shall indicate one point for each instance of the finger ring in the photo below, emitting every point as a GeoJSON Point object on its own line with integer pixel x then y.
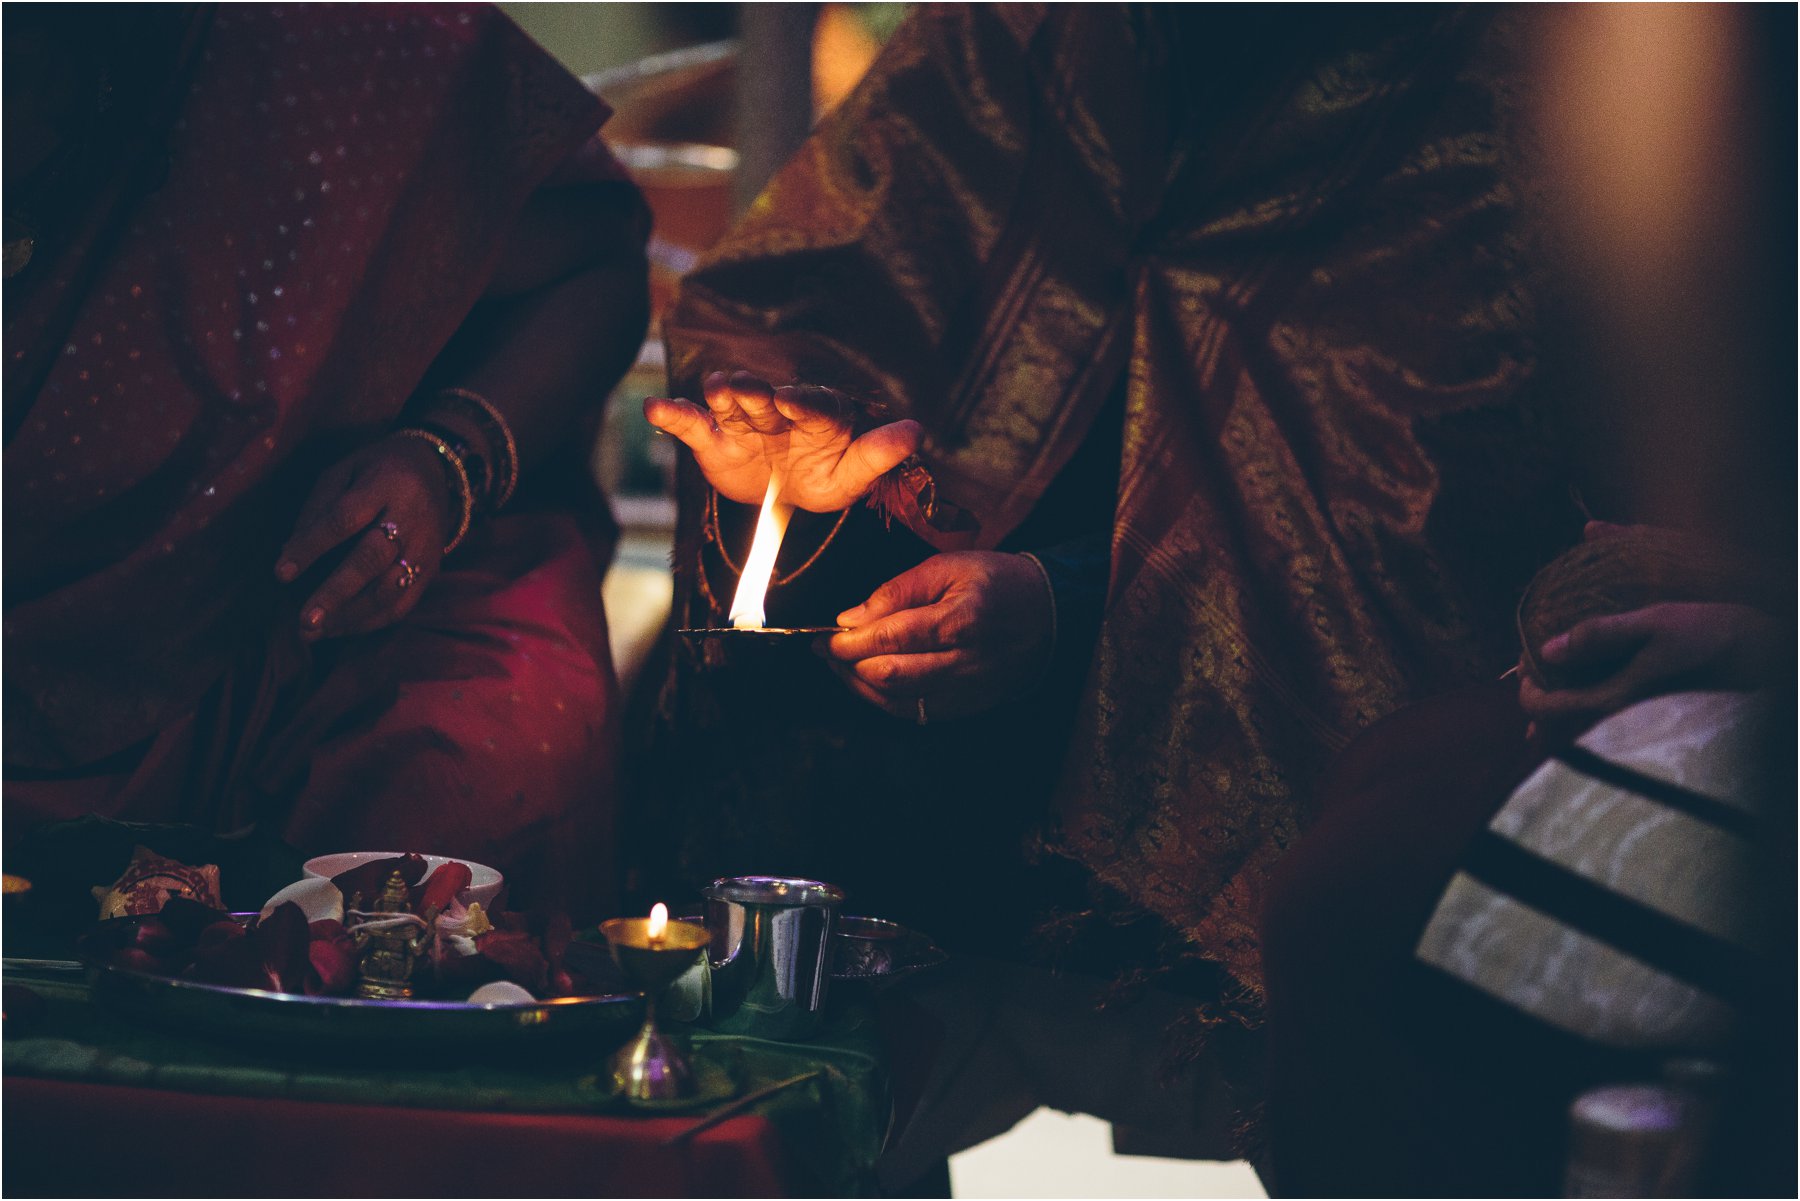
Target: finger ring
{"type": "Point", "coordinates": [390, 531]}
{"type": "Point", "coordinates": [407, 574]}
{"type": "Point", "coordinates": [921, 710]}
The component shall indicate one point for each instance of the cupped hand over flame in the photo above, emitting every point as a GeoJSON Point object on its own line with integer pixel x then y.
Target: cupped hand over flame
{"type": "Point", "coordinates": [804, 433]}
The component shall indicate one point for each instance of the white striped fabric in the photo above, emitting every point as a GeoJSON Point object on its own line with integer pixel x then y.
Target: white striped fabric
{"type": "Point", "coordinates": [1607, 897]}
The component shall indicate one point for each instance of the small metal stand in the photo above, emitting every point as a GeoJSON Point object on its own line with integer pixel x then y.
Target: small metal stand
{"type": "Point", "coordinates": [653, 1066]}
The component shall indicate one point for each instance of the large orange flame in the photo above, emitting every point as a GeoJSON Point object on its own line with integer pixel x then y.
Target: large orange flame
{"type": "Point", "coordinates": [747, 612]}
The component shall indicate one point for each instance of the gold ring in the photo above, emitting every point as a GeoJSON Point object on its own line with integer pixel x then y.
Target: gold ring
{"type": "Point", "coordinates": [408, 573]}
{"type": "Point", "coordinates": [390, 531]}
{"type": "Point", "coordinates": [921, 710]}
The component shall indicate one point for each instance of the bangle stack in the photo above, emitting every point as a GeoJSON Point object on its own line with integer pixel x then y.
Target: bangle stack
{"type": "Point", "coordinates": [473, 478]}
{"type": "Point", "coordinates": [499, 486]}
{"type": "Point", "coordinates": [475, 464]}
{"type": "Point", "coordinates": [459, 480]}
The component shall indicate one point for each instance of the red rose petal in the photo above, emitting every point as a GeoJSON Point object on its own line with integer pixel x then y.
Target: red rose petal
{"type": "Point", "coordinates": [136, 959]}
{"type": "Point", "coordinates": [283, 937]}
{"type": "Point", "coordinates": [442, 886]}
{"type": "Point", "coordinates": [333, 968]}
{"type": "Point", "coordinates": [234, 963]}
{"type": "Point", "coordinates": [188, 919]}
{"type": "Point", "coordinates": [558, 933]}
{"type": "Point", "coordinates": [370, 878]}
{"type": "Point", "coordinates": [152, 934]}
{"type": "Point", "coordinates": [517, 955]}
{"type": "Point", "coordinates": [217, 933]}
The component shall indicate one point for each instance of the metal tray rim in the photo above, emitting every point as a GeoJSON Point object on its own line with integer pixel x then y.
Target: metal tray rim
{"type": "Point", "coordinates": [288, 998]}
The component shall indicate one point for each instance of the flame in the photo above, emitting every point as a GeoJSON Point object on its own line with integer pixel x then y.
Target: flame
{"type": "Point", "coordinates": [659, 922]}
{"type": "Point", "coordinates": [747, 605]}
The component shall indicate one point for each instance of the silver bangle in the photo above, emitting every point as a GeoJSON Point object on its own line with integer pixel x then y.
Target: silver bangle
{"type": "Point", "coordinates": [1051, 590]}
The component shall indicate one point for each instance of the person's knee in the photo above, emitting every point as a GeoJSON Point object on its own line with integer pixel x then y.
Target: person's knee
{"type": "Point", "coordinates": [1304, 914]}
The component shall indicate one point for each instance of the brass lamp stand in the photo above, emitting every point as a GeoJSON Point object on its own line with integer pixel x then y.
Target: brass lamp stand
{"type": "Point", "coordinates": [653, 1066]}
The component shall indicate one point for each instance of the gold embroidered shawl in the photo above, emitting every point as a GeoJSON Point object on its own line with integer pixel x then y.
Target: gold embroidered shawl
{"type": "Point", "coordinates": [1292, 231]}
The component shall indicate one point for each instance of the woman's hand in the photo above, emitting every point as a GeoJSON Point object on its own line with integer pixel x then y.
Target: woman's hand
{"type": "Point", "coordinates": [804, 433]}
{"type": "Point", "coordinates": [389, 505]}
{"type": "Point", "coordinates": [1642, 653]}
{"type": "Point", "coordinates": [956, 635]}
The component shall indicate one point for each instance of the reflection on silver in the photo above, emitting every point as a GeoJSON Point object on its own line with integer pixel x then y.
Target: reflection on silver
{"type": "Point", "coordinates": [438, 1028]}
{"type": "Point", "coordinates": [770, 942]}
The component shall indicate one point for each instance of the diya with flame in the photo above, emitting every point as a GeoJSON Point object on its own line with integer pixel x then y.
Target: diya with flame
{"type": "Point", "coordinates": [654, 952]}
{"type": "Point", "coordinates": [748, 617]}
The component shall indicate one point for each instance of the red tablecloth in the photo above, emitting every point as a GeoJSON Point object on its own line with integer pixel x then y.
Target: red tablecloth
{"type": "Point", "coordinates": [68, 1139]}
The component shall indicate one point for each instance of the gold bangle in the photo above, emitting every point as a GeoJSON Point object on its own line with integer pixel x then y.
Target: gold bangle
{"type": "Point", "coordinates": [503, 437]}
{"type": "Point", "coordinates": [459, 474]}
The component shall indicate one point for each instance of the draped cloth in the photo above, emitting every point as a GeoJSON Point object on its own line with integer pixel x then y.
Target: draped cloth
{"type": "Point", "coordinates": [1292, 244]}
{"type": "Point", "coordinates": [250, 282]}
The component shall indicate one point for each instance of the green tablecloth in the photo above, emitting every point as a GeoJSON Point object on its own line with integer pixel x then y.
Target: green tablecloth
{"type": "Point", "coordinates": [839, 1118]}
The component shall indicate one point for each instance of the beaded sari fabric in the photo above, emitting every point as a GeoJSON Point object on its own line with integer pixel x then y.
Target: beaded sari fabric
{"type": "Point", "coordinates": [248, 269]}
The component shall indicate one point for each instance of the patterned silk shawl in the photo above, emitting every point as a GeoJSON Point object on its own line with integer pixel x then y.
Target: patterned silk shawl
{"type": "Point", "coordinates": [1291, 234]}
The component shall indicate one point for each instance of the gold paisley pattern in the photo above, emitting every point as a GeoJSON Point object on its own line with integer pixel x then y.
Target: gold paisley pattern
{"type": "Point", "coordinates": [1302, 253]}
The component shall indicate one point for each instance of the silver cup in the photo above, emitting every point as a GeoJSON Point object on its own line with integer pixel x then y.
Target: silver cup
{"type": "Point", "coordinates": [769, 954]}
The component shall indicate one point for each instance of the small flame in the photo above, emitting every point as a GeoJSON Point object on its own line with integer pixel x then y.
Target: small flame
{"type": "Point", "coordinates": [659, 922]}
{"type": "Point", "coordinates": [747, 611]}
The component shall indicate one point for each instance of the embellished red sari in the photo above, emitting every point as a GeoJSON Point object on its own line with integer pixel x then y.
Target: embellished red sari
{"type": "Point", "coordinates": [258, 275]}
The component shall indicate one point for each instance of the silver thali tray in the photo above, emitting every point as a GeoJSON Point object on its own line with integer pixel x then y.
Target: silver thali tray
{"type": "Point", "coordinates": [864, 949]}
{"type": "Point", "coordinates": [253, 1014]}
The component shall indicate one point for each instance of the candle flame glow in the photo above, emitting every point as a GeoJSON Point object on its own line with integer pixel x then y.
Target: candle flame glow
{"type": "Point", "coordinates": [747, 612]}
{"type": "Point", "coordinates": [659, 921]}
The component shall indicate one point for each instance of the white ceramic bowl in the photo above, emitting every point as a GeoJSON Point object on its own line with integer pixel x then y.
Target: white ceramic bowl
{"type": "Point", "coordinates": [484, 881]}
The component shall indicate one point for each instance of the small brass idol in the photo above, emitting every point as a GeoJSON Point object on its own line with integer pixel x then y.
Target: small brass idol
{"type": "Point", "coordinates": [390, 941]}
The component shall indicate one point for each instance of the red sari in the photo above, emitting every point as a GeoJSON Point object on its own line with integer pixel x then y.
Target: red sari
{"type": "Point", "coordinates": [184, 360]}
